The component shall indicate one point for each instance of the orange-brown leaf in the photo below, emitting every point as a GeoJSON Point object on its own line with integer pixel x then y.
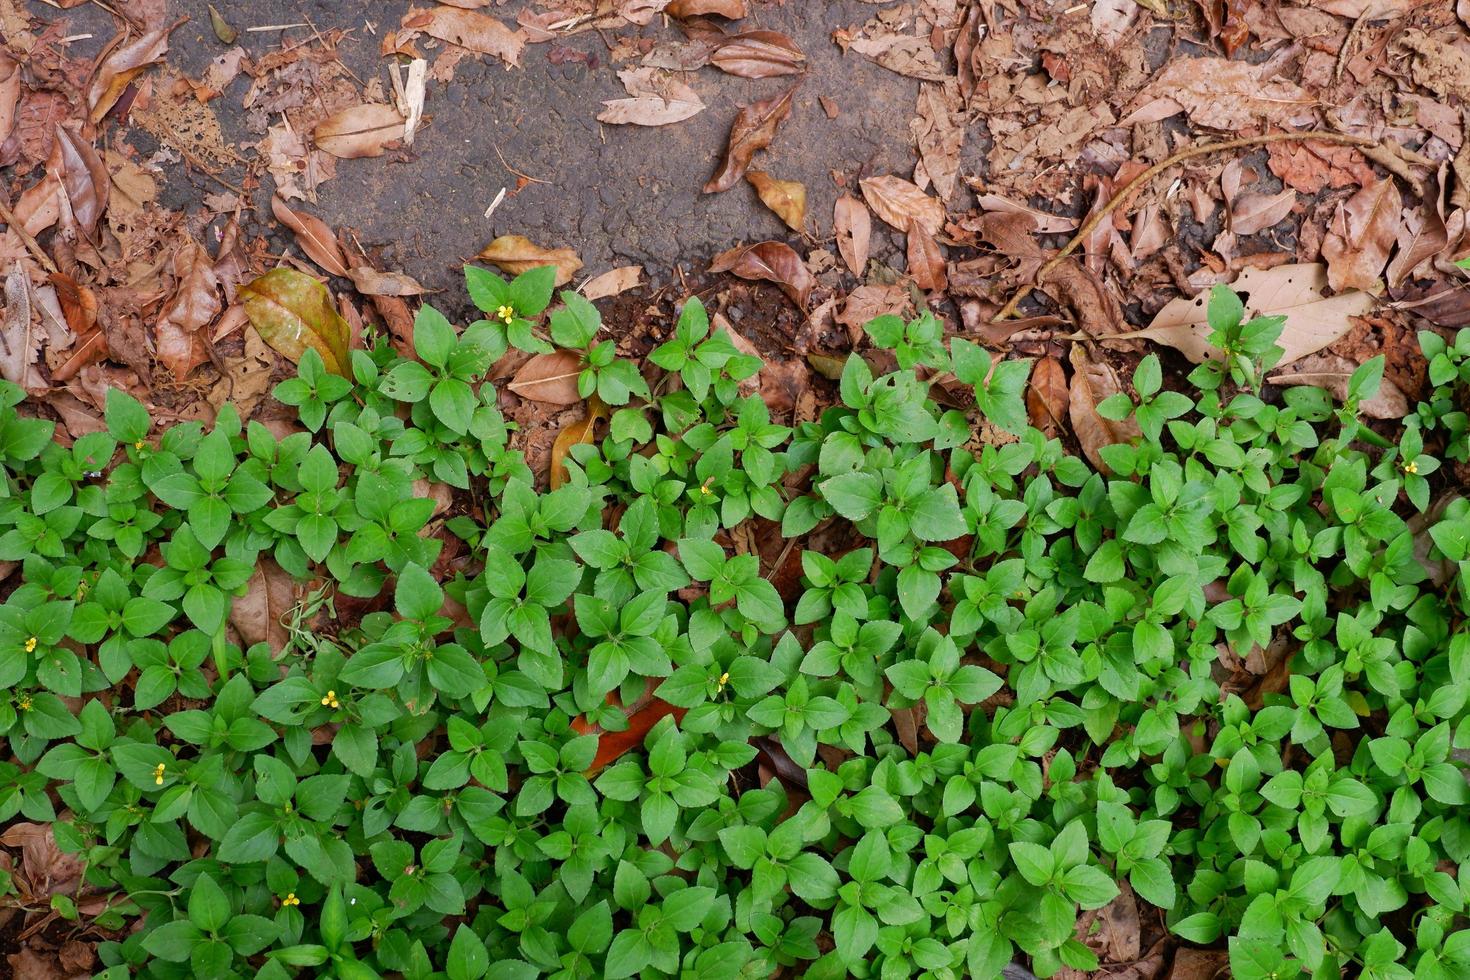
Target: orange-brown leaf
{"type": "Point", "coordinates": [854, 227]}
{"type": "Point", "coordinates": [365, 130]}
{"type": "Point", "coordinates": [759, 54]}
{"type": "Point", "coordinates": [787, 198]}
{"type": "Point", "coordinates": [754, 129]}
{"type": "Point", "coordinates": [314, 236]}
{"type": "Point", "coordinates": [1047, 396]}
{"type": "Point", "coordinates": [1092, 382]}
{"type": "Point", "coordinates": [516, 254]}
{"type": "Point", "coordinates": [733, 9]}
{"type": "Point", "coordinates": [769, 262]}
{"type": "Point", "coordinates": [550, 378]}
{"type": "Point", "coordinates": [1360, 236]}
{"type": "Point", "coordinates": [575, 434]}
{"type": "Point", "coordinates": [896, 200]}
{"type": "Point", "coordinates": [120, 67]}
{"type": "Point", "coordinates": [926, 261]}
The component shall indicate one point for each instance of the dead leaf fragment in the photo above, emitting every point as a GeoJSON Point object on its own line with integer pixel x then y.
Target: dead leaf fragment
{"type": "Point", "coordinates": [733, 9]}
{"type": "Point", "coordinates": [613, 282]}
{"type": "Point", "coordinates": [371, 282]}
{"type": "Point", "coordinates": [774, 262]}
{"type": "Point", "coordinates": [258, 616]}
{"type": "Point", "coordinates": [468, 29]}
{"type": "Point", "coordinates": [1222, 94]}
{"type": "Point", "coordinates": [939, 132]}
{"type": "Point", "coordinates": [912, 57]}
{"type": "Point", "coordinates": [655, 99]}
{"type": "Point", "coordinates": [179, 333]}
{"type": "Point", "coordinates": [925, 260]}
{"type": "Point", "coordinates": [20, 342]}
{"type": "Point", "coordinates": [1047, 396]}
{"type": "Point", "coordinates": [1331, 373]}
{"type": "Point", "coordinates": [787, 198]}
{"type": "Point", "coordinates": [120, 67]}
{"type": "Point", "coordinates": [358, 131]}
{"type": "Point", "coordinates": [550, 378]}
{"type": "Point", "coordinates": [1360, 236]}
{"type": "Point", "coordinates": [221, 27]}
{"type": "Point", "coordinates": [854, 227]}
{"type": "Point", "coordinates": [754, 129]}
{"type": "Point", "coordinates": [314, 235]}
{"type": "Point", "coordinates": [1250, 213]}
{"type": "Point", "coordinates": [759, 54]}
{"type": "Point", "coordinates": [293, 312]}
{"type": "Point", "coordinates": [1094, 380]}
{"type": "Point", "coordinates": [516, 253]}
{"type": "Point", "coordinates": [1297, 292]}
{"type": "Point", "coordinates": [575, 434]}
{"type": "Point", "coordinates": [896, 200]}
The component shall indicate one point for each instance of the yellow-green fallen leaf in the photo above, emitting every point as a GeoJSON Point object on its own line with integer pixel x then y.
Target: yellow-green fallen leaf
{"type": "Point", "coordinates": [222, 28]}
{"type": "Point", "coordinates": [293, 312]}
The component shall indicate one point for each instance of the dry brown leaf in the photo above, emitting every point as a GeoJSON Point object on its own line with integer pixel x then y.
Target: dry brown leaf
{"type": "Point", "coordinates": [88, 349]}
{"type": "Point", "coordinates": [769, 262]}
{"type": "Point", "coordinates": [45, 869]}
{"type": "Point", "coordinates": [10, 89]}
{"type": "Point", "coordinates": [787, 198]}
{"type": "Point", "coordinates": [1369, 9]}
{"type": "Point", "coordinates": [371, 282]}
{"type": "Point", "coordinates": [753, 129]}
{"type": "Point", "coordinates": [1250, 213]}
{"type": "Point", "coordinates": [314, 236]}
{"type": "Point", "coordinates": [476, 32]}
{"type": "Point", "coordinates": [1422, 235]}
{"type": "Point", "coordinates": [868, 302]}
{"type": "Point", "coordinates": [575, 434]}
{"type": "Point", "coordinates": [1094, 380]}
{"type": "Point", "coordinates": [515, 254]}
{"type": "Point", "coordinates": [121, 66]}
{"type": "Point", "coordinates": [939, 132]}
{"type": "Point", "coordinates": [912, 57]}
{"type": "Point", "coordinates": [655, 99]}
{"type": "Point", "coordinates": [78, 303]}
{"type": "Point", "coordinates": [258, 616]}
{"type": "Point", "coordinates": [854, 227]}
{"type": "Point", "coordinates": [20, 342]}
{"type": "Point", "coordinates": [1222, 94]}
{"type": "Point", "coordinates": [1297, 292]}
{"type": "Point", "coordinates": [1044, 222]}
{"type": "Point", "coordinates": [84, 178]}
{"type": "Point", "coordinates": [358, 131]}
{"type": "Point", "coordinates": [1112, 18]}
{"type": "Point", "coordinates": [1047, 396]}
{"type": "Point", "coordinates": [1331, 373]}
{"type": "Point", "coordinates": [733, 9]}
{"type": "Point", "coordinates": [925, 260]}
{"type": "Point", "coordinates": [896, 200]}
{"type": "Point", "coordinates": [1199, 964]}
{"type": "Point", "coordinates": [1360, 236]}
{"type": "Point", "coordinates": [550, 378]}
{"type": "Point", "coordinates": [613, 282]}
{"type": "Point", "coordinates": [178, 334]}
{"type": "Point", "coordinates": [758, 54]}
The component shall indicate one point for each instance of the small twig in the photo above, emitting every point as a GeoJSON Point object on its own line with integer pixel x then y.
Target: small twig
{"type": "Point", "coordinates": [273, 27]}
{"type": "Point", "coordinates": [31, 244]}
{"type": "Point", "coordinates": [1130, 188]}
{"type": "Point", "coordinates": [534, 180]}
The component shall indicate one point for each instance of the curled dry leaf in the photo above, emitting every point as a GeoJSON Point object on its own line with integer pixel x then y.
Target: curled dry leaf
{"type": "Point", "coordinates": [179, 332]}
{"type": "Point", "coordinates": [1361, 234]}
{"type": "Point", "coordinates": [758, 54]}
{"type": "Point", "coordinates": [1047, 396]}
{"type": "Point", "coordinates": [121, 66]}
{"type": "Point", "coordinates": [925, 260]}
{"type": "Point", "coordinates": [575, 434]}
{"type": "Point", "coordinates": [371, 282]}
{"type": "Point", "coordinates": [654, 99]}
{"type": "Point", "coordinates": [45, 869]}
{"type": "Point", "coordinates": [1223, 94]}
{"type": "Point", "coordinates": [1250, 213]}
{"type": "Point", "coordinates": [1297, 292]}
{"type": "Point", "coordinates": [415, 87]}
{"type": "Point", "coordinates": [612, 282]}
{"type": "Point", "coordinates": [20, 342]}
{"type": "Point", "coordinates": [516, 253]}
{"type": "Point", "coordinates": [258, 616]}
{"type": "Point", "coordinates": [733, 9]}
{"type": "Point", "coordinates": [84, 178]}
{"type": "Point", "coordinates": [1094, 380]}
{"type": "Point", "coordinates": [358, 131]}
{"type": "Point", "coordinates": [314, 235]}
{"type": "Point", "coordinates": [1422, 235]}
{"type": "Point", "coordinates": [854, 227]}
{"type": "Point", "coordinates": [753, 130]}
{"type": "Point", "coordinates": [787, 198]}
{"type": "Point", "coordinates": [769, 262]}
{"type": "Point", "coordinates": [293, 312]}
{"type": "Point", "coordinates": [476, 32]}
{"type": "Point", "coordinates": [1042, 222]}
{"type": "Point", "coordinates": [78, 303]}
{"type": "Point", "coordinates": [550, 378]}
{"type": "Point", "coordinates": [896, 200]}
{"type": "Point", "coordinates": [1331, 373]}
{"type": "Point", "coordinates": [939, 132]}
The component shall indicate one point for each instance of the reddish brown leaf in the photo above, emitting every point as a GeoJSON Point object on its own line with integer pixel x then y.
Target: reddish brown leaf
{"type": "Point", "coordinates": [733, 9]}
{"type": "Point", "coordinates": [84, 177]}
{"type": "Point", "coordinates": [314, 236]}
{"type": "Point", "coordinates": [926, 261]}
{"type": "Point", "coordinates": [611, 746]}
{"type": "Point", "coordinates": [1047, 396]}
{"type": "Point", "coordinates": [78, 303]}
{"type": "Point", "coordinates": [550, 378]}
{"type": "Point", "coordinates": [45, 869]}
{"type": "Point", "coordinates": [478, 32]}
{"type": "Point", "coordinates": [896, 200]}
{"type": "Point", "coordinates": [575, 434]}
{"type": "Point", "coordinates": [759, 54]}
{"type": "Point", "coordinates": [120, 67]}
{"type": "Point", "coordinates": [178, 333]}
{"type": "Point", "coordinates": [516, 253]}
{"type": "Point", "coordinates": [365, 130]}
{"type": "Point", "coordinates": [753, 130]}
{"type": "Point", "coordinates": [259, 614]}
{"type": "Point", "coordinates": [787, 198]}
{"type": "Point", "coordinates": [769, 262]}
{"type": "Point", "coordinates": [1092, 382]}
{"type": "Point", "coordinates": [1250, 213]}
{"type": "Point", "coordinates": [87, 350]}
{"type": "Point", "coordinates": [854, 227]}
{"type": "Point", "coordinates": [1360, 236]}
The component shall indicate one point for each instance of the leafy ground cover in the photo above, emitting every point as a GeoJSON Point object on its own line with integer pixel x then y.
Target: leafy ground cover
{"type": "Point", "coordinates": [994, 698]}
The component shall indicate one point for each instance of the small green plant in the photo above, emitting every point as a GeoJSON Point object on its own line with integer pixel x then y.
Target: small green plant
{"type": "Point", "coordinates": [995, 700]}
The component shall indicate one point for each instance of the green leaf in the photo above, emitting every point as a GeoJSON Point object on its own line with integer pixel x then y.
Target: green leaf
{"type": "Point", "coordinates": [294, 313]}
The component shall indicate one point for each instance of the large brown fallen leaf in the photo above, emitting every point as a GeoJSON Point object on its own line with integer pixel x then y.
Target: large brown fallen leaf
{"type": "Point", "coordinates": [896, 200]}
{"type": "Point", "coordinates": [939, 132]}
{"type": "Point", "coordinates": [1297, 292]}
{"type": "Point", "coordinates": [1331, 373]}
{"type": "Point", "coordinates": [753, 130]}
{"type": "Point", "coordinates": [121, 66]}
{"type": "Point", "coordinates": [1094, 380]}
{"type": "Point", "coordinates": [854, 228]}
{"type": "Point", "coordinates": [1222, 94]}
{"type": "Point", "coordinates": [1199, 964]}
{"type": "Point", "coordinates": [45, 869]}
{"type": "Point", "coordinates": [314, 236]}
{"type": "Point", "coordinates": [787, 198]}
{"type": "Point", "coordinates": [259, 614]}
{"type": "Point", "coordinates": [179, 332]}
{"type": "Point", "coordinates": [575, 434]}
{"type": "Point", "coordinates": [925, 260]}
{"type": "Point", "coordinates": [758, 54]}
{"type": "Point", "coordinates": [1043, 222]}
{"type": "Point", "coordinates": [293, 312]}
{"type": "Point", "coordinates": [371, 282]}
{"type": "Point", "coordinates": [516, 254]}
{"type": "Point", "coordinates": [774, 262]}
{"type": "Point", "coordinates": [654, 99]}
{"type": "Point", "coordinates": [358, 131]}
{"type": "Point", "coordinates": [1422, 235]}
{"type": "Point", "coordinates": [733, 9]}
{"type": "Point", "coordinates": [613, 282]}
{"type": "Point", "coordinates": [550, 378]}
{"type": "Point", "coordinates": [1361, 234]}
{"type": "Point", "coordinates": [476, 32]}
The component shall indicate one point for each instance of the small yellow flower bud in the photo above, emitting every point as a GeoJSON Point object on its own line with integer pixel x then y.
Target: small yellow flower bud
{"type": "Point", "coordinates": [24, 703]}
{"type": "Point", "coordinates": [724, 679]}
{"type": "Point", "coordinates": [506, 313]}
{"type": "Point", "coordinates": [290, 900]}
{"type": "Point", "coordinates": [158, 774]}
{"type": "Point", "coordinates": [139, 445]}
{"type": "Point", "coordinates": [1411, 467]}
{"type": "Point", "coordinates": [31, 645]}
{"type": "Point", "coordinates": [330, 701]}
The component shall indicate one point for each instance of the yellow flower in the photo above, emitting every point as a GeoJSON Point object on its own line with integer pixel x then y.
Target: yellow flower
{"type": "Point", "coordinates": [31, 645]}
{"type": "Point", "coordinates": [724, 679]}
{"type": "Point", "coordinates": [158, 774]}
{"type": "Point", "coordinates": [331, 701]}
{"type": "Point", "coordinates": [290, 900]}
{"type": "Point", "coordinates": [139, 445]}
{"type": "Point", "coordinates": [506, 313]}
{"type": "Point", "coordinates": [25, 702]}
{"type": "Point", "coordinates": [1411, 467]}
